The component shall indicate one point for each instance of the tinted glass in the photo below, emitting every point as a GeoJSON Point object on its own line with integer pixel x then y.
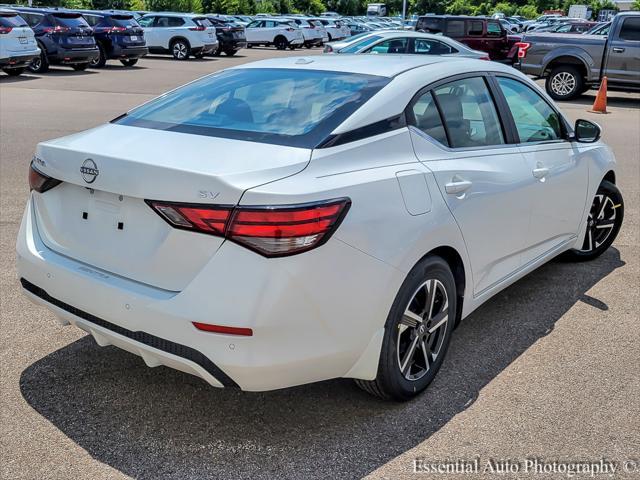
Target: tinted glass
{"type": "Point", "coordinates": [469, 113]}
{"type": "Point", "coordinates": [630, 29]}
{"type": "Point", "coordinates": [281, 106]}
{"type": "Point", "coordinates": [431, 47]}
{"type": "Point", "coordinates": [493, 29]}
{"type": "Point", "coordinates": [32, 19]}
{"type": "Point", "coordinates": [394, 45]}
{"type": "Point", "coordinates": [175, 21]}
{"type": "Point", "coordinates": [359, 45]}
{"type": "Point", "coordinates": [255, 24]}
{"type": "Point", "coordinates": [202, 22]}
{"type": "Point", "coordinates": [146, 21]}
{"type": "Point", "coordinates": [427, 118]}
{"type": "Point", "coordinates": [123, 21]}
{"type": "Point", "coordinates": [455, 28]}
{"type": "Point", "coordinates": [535, 120]}
{"type": "Point", "coordinates": [92, 20]}
{"type": "Point", "coordinates": [69, 20]}
{"type": "Point", "coordinates": [476, 27]}
{"type": "Point", "coordinates": [433, 25]}
{"type": "Point", "coordinates": [13, 21]}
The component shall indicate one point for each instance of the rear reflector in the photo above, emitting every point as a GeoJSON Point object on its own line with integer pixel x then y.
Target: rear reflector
{"type": "Point", "coordinates": [40, 182]}
{"type": "Point", "coordinates": [207, 327]}
{"type": "Point", "coordinates": [272, 231]}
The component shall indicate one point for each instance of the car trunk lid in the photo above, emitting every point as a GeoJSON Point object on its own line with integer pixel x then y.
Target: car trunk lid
{"type": "Point", "coordinates": [98, 215]}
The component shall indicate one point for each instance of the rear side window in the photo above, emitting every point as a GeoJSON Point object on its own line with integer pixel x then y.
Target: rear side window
{"type": "Point", "coordinates": [202, 22]}
{"type": "Point", "coordinates": [280, 106]}
{"type": "Point", "coordinates": [494, 29]}
{"type": "Point", "coordinates": [630, 29]}
{"type": "Point", "coordinates": [455, 28]}
{"type": "Point", "coordinates": [69, 20]}
{"type": "Point", "coordinates": [469, 114]}
{"type": "Point", "coordinates": [535, 120]}
{"type": "Point", "coordinates": [476, 28]}
{"type": "Point", "coordinates": [426, 117]}
{"type": "Point", "coordinates": [394, 45]}
{"type": "Point", "coordinates": [12, 20]}
{"type": "Point", "coordinates": [176, 21]}
{"type": "Point", "coordinates": [433, 25]}
{"type": "Point", "coordinates": [32, 19]}
{"type": "Point", "coordinates": [432, 47]}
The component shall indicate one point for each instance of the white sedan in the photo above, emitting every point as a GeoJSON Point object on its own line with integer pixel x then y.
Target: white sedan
{"type": "Point", "coordinates": [300, 219]}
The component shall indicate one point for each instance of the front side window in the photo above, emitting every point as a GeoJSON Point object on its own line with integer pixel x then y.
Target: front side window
{"type": "Point", "coordinates": [630, 29]}
{"type": "Point", "coordinates": [146, 21]}
{"type": "Point", "coordinates": [494, 29]}
{"type": "Point", "coordinates": [431, 47]}
{"type": "Point", "coordinates": [469, 114]}
{"type": "Point", "coordinates": [426, 117]}
{"type": "Point", "coordinates": [256, 24]}
{"type": "Point", "coordinates": [393, 45]}
{"type": "Point", "coordinates": [535, 120]}
{"type": "Point", "coordinates": [280, 106]}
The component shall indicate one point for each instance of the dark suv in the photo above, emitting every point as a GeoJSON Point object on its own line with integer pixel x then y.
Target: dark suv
{"type": "Point", "coordinates": [479, 33]}
{"type": "Point", "coordinates": [118, 36]}
{"type": "Point", "coordinates": [231, 37]}
{"type": "Point", "coordinates": [63, 36]}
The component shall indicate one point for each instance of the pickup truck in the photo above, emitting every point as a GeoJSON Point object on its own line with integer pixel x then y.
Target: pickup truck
{"type": "Point", "coordinates": [572, 64]}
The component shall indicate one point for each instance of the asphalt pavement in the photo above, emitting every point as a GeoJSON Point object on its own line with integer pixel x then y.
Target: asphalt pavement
{"type": "Point", "coordinates": [548, 369]}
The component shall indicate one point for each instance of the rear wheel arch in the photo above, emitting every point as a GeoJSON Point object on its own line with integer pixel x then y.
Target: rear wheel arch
{"type": "Point", "coordinates": [176, 39]}
{"type": "Point", "coordinates": [610, 176]}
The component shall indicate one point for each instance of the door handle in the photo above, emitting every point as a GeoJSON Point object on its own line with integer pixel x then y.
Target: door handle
{"type": "Point", "coordinates": [540, 172]}
{"type": "Point", "coordinates": [618, 49]}
{"type": "Point", "coordinates": [457, 185]}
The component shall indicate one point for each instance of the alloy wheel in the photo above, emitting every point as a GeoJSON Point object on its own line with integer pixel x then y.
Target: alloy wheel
{"type": "Point", "coordinates": [422, 330]}
{"type": "Point", "coordinates": [563, 83]}
{"type": "Point", "coordinates": [180, 50]}
{"type": "Point", "coordinates": [600, 223]}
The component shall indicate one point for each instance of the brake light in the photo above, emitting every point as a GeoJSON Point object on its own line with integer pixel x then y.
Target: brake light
{"type": "Point", "coordinates": [5, 30]}
{"type": "Point", "coordinates": [207, 327]}
{"type": "Point", "coordinates": [40, 182]}
{"type": "Point", "coordinates": [522, 49]}
{"type": "Point", "coordinates": [199, 28]}
{"type": "Point", "coordinates": [56, 29]}
{"type": "Point", "coordinates": [272, 231]}
{"type": "Point", "coordinates": [116, 29]}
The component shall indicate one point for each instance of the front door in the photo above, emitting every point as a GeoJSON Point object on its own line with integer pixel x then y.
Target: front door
{"type": "Point", "coordinates": [623, 55]}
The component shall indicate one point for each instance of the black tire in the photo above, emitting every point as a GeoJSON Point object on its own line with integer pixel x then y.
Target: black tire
{"type": "Point", "coordinates": [198, 55]}
{"type": "Point", "coordinates": [180, 49]}
{"type": "Point", "coordinates": [249, 45]}
{"type": "Point", "coordinates": [80, 67]}
{"type": "Point", "coordinates": [430, 274]}
{"type": "Point", "coordinates": [598, 238]}
{"type": "Point", "coordinates": [329, 35]}
{"type": "Point", "coordinates": [564, 83]}
{"type": "Point", "coordinates": [129, 62]}
{"type": "Point", "coordinates": [217, 52]}
{"type": "Point", "coordinates": [308, 46]}
{"type": "Point", "coordinates": [230, 53]}
{"type": "Point", "coordinates": [281, 43]}
{"type": "Point", "coordinates": [13, 72]}
{"type": "Point", "coordinates": [101, 60]}
{"type": "Point", "coordinates": [40, 64]}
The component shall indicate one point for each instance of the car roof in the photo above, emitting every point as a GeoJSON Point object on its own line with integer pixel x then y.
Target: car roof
{"type": "Point", "coordinates": [380, 65]}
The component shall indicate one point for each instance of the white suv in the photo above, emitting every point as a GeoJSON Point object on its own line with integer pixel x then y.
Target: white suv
{"type": "Point", "coordinates": [280, 32]}
{"type": "Point", "coordinates": [179, 34]}
{"type": "Point", "coordinates": [18, 46]}
{"type": "Point", "coordinates": [336, 30]}
{"type": "Point", "coordinates": [313, 35]}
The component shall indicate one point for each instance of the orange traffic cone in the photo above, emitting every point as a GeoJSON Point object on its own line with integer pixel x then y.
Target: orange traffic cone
{"type": "Point", "coordinates": [600, 105]}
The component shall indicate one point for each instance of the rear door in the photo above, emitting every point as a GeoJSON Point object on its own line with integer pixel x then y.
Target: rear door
{"type": "Point", "coordinates": [557, 179]}
{"type": "Point", "coordinates": [475, 35]}
{"type": "Point", "coordinates": [458, 135]}
{"type": "Point", "coordinates": [496, 41]}
{"type": "Point", "coordinates": [623, 54]}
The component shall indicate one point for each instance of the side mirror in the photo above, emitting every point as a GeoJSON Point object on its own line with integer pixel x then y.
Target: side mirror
{"type": "Point", "coordinates": [586, 131]}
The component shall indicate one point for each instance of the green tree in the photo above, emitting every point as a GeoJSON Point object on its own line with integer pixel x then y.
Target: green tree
{"type": "Point", "coordinates": [528, 11]}
{"type": "Point", "coordinates": [636, 5]}
{"type": "Point", "coordinates": [460, 7]}
{"type": "Point", "coordinates": [265, 6]}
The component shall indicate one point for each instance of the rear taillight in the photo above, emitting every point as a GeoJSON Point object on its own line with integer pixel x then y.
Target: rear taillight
{"type": "Point", "coordinates": [272, 231]}
{"type": "Point", "coordinates": [40, 182]}
{"type": "Point", "coordinates": [522, 49]}
{"type": "Point", "coordinates": [198, 29]}
{"type": "Point", "coordinates": [5, 30]}
{"type": "Point", "coordinates": [56, 29]}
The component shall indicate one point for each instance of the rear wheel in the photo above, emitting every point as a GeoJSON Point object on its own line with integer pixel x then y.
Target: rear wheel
{"type": "Point", "coordinates": [180, 50]}
{"type": "Point", "coordinates": [230, 53]}
{"type": "Point", "coordinates": [129, 62]}
{"type": "Point", "coordinates": [13, 72]}
{"type": "Point", "coordinates": [564, 83]}
{"type": "Point", "coordinates": [417, 332]}
{"type": "Point", "coordinates": [281, 43]}
{"type": "Point", "coordinates": [80, 67]}
{"type": "Point", "coordinates": [603, 223]}
{"type": "Point", "coordinates": [101, 60]}
{"type": "Point", "coordinates": [39, 64]}
{"type": "Point", "coordinates": [198, 55]}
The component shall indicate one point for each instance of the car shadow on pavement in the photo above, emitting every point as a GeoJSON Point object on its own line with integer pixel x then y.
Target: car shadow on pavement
{"type": "Point", "coordinates": [612, 100]}
{"type": "Point", "coordinates": [160, 423]}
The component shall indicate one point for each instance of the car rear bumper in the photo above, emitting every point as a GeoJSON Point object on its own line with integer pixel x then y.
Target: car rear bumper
{"type": "Point", "coordinates": [313, 42]}
{"type": "Point", "coordinates": [21, 60]}
{"type": "Point", "coordinates": [308, 323]}
{"type": "Point", "coordinates": [129, 52]}
{"type": "Point", "coordinates": [235, 44]}
{"type": "Point", "coordinates": [70, 57]}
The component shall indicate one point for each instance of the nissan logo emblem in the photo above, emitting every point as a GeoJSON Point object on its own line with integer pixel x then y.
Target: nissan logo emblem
{"type": "Point", "coordinates": [89, 170]}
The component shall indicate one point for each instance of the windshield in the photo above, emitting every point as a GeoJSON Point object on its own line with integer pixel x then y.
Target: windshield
{"type": "Point", "coordinates": [282, 106]}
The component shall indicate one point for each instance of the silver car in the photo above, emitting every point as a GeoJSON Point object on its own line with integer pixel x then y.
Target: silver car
{"type": "Point", "coordinates": [393, 41]}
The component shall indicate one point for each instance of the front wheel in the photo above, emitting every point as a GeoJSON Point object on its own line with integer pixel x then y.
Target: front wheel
{"type": "Point", "coordinates": [281, 43]}
{"type": "Point", "coordinates": [13, 72]}
{"type": "Point", "coordinates": [603, 224]}
{"type": "Point", "coordinates": [417, 332]}
{"type": "Point", "coordinates": [129, 62]}
{"type": "Point", "coordinates": [564, 83]}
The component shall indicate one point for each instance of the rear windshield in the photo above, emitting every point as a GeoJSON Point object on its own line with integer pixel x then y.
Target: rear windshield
{"type": "Point", "coordinates": [12, 20]}
{"type": "Point", "coordinates": [297, 108]}
{"type": "Point", "coordinates": [202, 22]}
{"type": "Point", "coordinates": [123, 21]}
{"type": "Point", "coordinates": [69, 20]}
